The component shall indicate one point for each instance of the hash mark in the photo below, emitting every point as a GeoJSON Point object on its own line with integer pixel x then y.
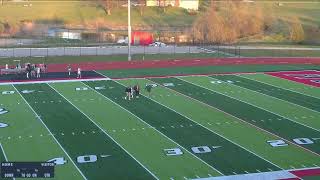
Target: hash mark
{"type": "Point", "coordinates": [209, 175]}
{"type": "Point", "coordinates": [270, 169]}
{"type": "Point", "coordinates": [234, 172]}
{"type": "Point", "coordinates": [246, 172]}
{"type": "Point", "coordinates": [258, 170]}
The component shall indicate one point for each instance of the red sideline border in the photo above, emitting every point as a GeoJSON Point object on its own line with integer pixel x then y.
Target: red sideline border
{"type": "Point", "coordinates": [89, 66]}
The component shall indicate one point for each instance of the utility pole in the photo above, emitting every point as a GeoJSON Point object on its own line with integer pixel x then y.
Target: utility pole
{"type": "Point", "coordinates": [129, 30]}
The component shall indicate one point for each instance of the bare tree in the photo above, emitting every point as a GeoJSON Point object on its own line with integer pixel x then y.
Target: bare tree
{"type": "Point", "coordinates": [142, 4]}
{"type": "Point", "coordinates": [296, 31]}
{"type": "Point", "coordinates": [107, 5]}
{"type": "Point", "coordinates": [228, 23]}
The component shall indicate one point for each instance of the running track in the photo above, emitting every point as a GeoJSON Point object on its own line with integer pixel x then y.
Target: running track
{"type": "Point", "coordinates": [88, 66]}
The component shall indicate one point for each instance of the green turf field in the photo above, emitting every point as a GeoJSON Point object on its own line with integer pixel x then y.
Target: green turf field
{"type": "Point", "coordinates": [187, 127]}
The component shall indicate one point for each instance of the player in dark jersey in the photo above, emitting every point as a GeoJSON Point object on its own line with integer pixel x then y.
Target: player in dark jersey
{"type": "Point", "coordinates": [136, 89]}
{"type": "Point", "coordinates": [128, 93]}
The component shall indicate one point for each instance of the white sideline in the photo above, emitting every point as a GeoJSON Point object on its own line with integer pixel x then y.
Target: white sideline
{"type": "Point", "coordinates": [54, 81]}
{"type": "Point", "coordinates": [254, 176]}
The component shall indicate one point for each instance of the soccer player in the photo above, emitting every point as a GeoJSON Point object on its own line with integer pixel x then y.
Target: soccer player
{"type": "Point", "coordinates": [79, 73]}
{"type": "Point", "coordinates": [148, 88]}
{"type": "Point", "coordinates": [28, 71]}
{"type": "Point", "coordinates": [69, 70]}
{"type": "Point", "coordinates": [136, 89]}
{"type": "Point", "coordinates": [128, 93]}
{"type": "Point", "coordinates": [131, 92]}
{"type": "Point", "coordinates": [38, 72]}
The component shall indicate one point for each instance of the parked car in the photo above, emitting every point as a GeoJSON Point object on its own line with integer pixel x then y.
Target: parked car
{"type": "Point", "coordinates": [123, 41]}
{"type": "Point", "coordinates": [158, 44]}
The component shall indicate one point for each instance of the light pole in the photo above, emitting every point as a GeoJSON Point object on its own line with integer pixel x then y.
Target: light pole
{"type": "Point", "coordinates": [129, 30]}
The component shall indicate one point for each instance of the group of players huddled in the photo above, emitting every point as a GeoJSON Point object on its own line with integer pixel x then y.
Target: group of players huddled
{"type": "Point", "coordinates": [130, 91]}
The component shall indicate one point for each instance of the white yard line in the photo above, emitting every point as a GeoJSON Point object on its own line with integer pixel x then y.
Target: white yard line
{"type": "Point", "coordinates": [106, 133]}
{"type": "Point", "coordinates": [155, 129]}
{"type": "Point", "coordinates": [84, 177]}
{"type": "Point", "coordinates": [250, 104]}
{"type": "Point", "coordinates": [258, 128]}
{"type": "Point", "coordinates": [210, 130]}
{"type": "Point", "coordinates": [280, 87]}
{"type": "Point", "coordinates": [254, 106]}
{"type": "Point", "coordinates": [269, 96]}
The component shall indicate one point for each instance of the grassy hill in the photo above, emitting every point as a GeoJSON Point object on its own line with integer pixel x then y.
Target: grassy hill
{"type": "Point", "coordinates": [79, 14]}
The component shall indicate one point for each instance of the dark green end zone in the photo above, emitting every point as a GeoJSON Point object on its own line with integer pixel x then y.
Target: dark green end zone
{"type": "Point", "coordinates": [74, 131]}
{"type": "Point", "coordinates": [271, 122]}
{"type": "Point", "coordinates": [228, 159]}
{"type": "Point", "coordinates": [293, 97]}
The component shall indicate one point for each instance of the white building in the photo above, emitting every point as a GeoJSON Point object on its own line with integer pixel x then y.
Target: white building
{"type": "Point", "coordinates": [186, 4]}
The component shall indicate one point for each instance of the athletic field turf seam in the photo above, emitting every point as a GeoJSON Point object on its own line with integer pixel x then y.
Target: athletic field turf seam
{"type": "Point", "coordinates": [272, 96]}
{"type": "Point", "coordinates": [105, 132]}
{"type": "Point", "coordinates": [38, 117]}
{"type": "Point", "coordinates": [154, 128]}
{"type": "Point", "coordinates": [280, 87]}
{"type": "Point", "coordinates": [213, 131]}
{"type": "Point", "coordinates": [251, 105]}
{"type": "Point", "coordinates": [260, 129]}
